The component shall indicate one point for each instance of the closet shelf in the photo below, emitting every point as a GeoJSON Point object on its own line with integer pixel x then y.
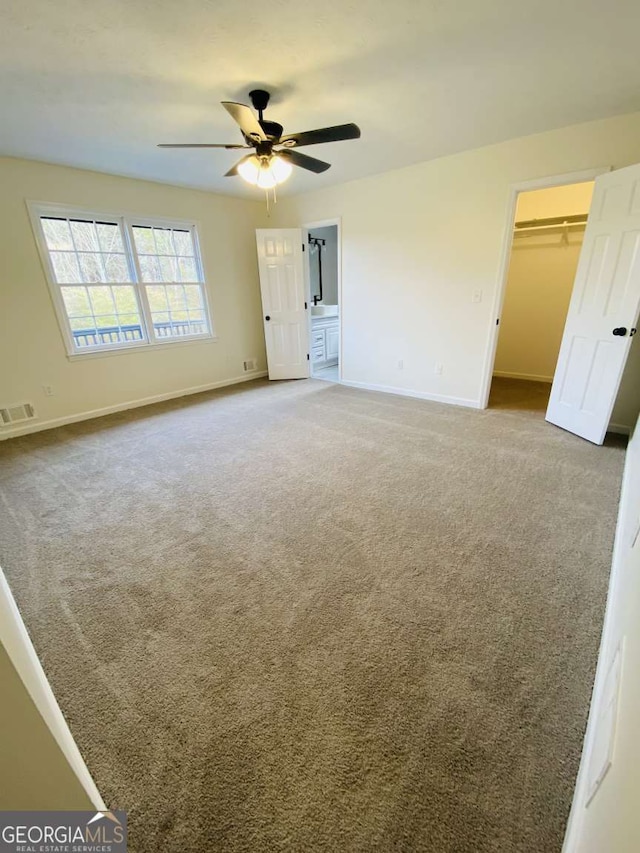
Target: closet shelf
{"type": "Point", "coordinates": [574, 222]}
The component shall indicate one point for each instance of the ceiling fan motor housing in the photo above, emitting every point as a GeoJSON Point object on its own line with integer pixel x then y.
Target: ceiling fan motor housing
{"type": "Point", "coordinates": [259, 99]}
{"type": "Point", "coordinates": [272, 129]}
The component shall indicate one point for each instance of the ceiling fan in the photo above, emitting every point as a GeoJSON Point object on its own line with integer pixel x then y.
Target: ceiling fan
{"type": "Point", "coordinates": [274, 154]}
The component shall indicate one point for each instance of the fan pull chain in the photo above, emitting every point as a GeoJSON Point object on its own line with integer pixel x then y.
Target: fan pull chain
{"type": "Point", "coordinates": [275, 200]}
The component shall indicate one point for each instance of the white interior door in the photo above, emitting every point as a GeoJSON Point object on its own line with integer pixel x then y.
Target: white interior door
{"type": "Point", "coordinates": [283, 302]}
{"type": "Point", "coordinates": [603, 311]}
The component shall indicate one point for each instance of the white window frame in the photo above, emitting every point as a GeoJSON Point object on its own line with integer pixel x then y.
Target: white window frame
{"type": "Point", "coordinates": [125, 221]}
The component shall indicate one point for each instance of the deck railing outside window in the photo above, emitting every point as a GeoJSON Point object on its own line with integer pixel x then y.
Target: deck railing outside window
{"type": "Point", "coordinates": [118, 334]}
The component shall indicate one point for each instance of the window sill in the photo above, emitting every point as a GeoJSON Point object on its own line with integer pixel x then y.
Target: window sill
{"type": "Point", "coordinates": [142, 347]}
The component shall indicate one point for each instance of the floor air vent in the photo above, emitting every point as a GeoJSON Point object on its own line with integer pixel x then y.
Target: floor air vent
{"type": "Point", "coordinates": [14, 414]}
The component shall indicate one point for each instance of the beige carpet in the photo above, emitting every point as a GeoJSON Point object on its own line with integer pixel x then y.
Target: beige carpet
{"type": "Point", "coordinates": [301, 617]}
{"type": "Point", "coordinates": [516, 395]}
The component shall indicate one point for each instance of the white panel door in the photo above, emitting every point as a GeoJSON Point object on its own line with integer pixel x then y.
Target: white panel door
{"type": "Point", "coordinates": [283, 302]}
{"type": "Point", "coordinates": [603, 311]}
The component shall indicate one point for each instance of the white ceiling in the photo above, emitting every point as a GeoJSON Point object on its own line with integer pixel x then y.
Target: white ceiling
{"type": "Point", "coordinates": [98, 84]}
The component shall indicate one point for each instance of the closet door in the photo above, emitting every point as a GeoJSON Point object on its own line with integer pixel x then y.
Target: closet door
{"type": "Point", "coordinates": [603, 311]}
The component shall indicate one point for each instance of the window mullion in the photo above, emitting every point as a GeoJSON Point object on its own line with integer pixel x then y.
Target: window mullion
{"type": "Point", "coordinates": [136, 274]}
{"type": "Point", "coordinates": [204, 296]}
{"type": "Point", "coordinates": [93, 313]}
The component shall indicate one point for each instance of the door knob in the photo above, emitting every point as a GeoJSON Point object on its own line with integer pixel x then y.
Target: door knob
{"type": "Point", "coordinates": [620, 332]}
{"type": "Point", "coordinates": [268, 318]}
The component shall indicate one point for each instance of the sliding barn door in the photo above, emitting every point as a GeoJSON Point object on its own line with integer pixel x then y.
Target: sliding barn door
{"type": "Point", "coordinates": [603, 311]}
{"type": "Point", "coordinates": [283, 302]}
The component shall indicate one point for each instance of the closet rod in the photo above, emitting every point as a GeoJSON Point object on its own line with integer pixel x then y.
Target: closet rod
{"type": "Point", "coordinates": [565, 226]}
{"type": "Point", "coordinates": [574, 219]}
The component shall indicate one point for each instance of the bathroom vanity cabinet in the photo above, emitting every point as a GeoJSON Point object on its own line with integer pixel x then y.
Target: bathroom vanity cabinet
{"type": "Point", "coordinates": [325, 337]}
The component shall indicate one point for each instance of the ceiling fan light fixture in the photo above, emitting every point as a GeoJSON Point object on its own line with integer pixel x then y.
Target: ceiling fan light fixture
{"type": "Point", "coordinates": [264, 172]}
{"type": "Point", "coordinates": [281, 169]}
{"type": "Point", "coordinates": [266, 178]}
{"type": "Point", "coordinates": [249, 170]}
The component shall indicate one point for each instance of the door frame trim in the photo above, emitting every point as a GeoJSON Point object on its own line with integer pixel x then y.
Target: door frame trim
{"type": "Point", "coordinates": [306, 227]}
{"type": "Point", "coordinates": [505, 257]}
{"type": "Point", "coordinates": [289, 370]}
{"type": "Point", "coordinates": [17, 643]}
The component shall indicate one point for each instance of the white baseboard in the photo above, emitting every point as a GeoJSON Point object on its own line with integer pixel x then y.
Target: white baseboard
{"type": "Point", "coordinates": [25, 429]}
{"type": "Point", "coordinates": [320, 365]}
{"type": "Point", "coordinates": [619, 429]}
{"type": "Point", "coordinates": [420, 395]}
{"type": "Point", "coordinates": [530, 377]}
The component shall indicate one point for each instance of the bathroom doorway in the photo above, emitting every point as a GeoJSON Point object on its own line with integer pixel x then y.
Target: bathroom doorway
{"type": "Point", "coordinates": [322, 249]}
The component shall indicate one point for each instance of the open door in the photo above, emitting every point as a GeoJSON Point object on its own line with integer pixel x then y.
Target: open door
{"type": "Point", "coordinates": [283, 302]}
{"type": "Point", "coordinates": [603, 311]}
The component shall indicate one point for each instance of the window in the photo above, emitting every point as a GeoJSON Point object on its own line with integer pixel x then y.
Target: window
{"type": "Point", "coordinates": [121, 282]}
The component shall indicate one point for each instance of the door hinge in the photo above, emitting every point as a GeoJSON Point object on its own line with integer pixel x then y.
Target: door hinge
{"type": "Point", "coordinates": [303, 249]}
{"type": "Point", "coordinates": [305, 306]}
{"type": "Point", "coordinates": [307, 356]}
{"type": "Point", "coordinates": [498, 321]}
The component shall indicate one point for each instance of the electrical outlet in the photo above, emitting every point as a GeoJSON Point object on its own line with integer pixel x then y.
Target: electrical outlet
{"type": "Point", "coordinates": [477, 296]}
{"type": "Point", "coordinates": [438, 368]}
{"type": "Point", "coordinates": [400, 364]}
{"type": "Point", "coordinates": [48, 390]}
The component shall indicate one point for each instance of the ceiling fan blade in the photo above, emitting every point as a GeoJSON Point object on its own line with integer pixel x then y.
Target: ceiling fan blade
{"type": "Point", "coordinates": [199, 145]}
{"type": "Point", "coordinates": [234, 169]}
{"type": "Point", "coordinates": [323, 134]}
{"type": "Point", "coordinates": [304, 161]}
{"type": "Point", "coordinates": [246, 120]}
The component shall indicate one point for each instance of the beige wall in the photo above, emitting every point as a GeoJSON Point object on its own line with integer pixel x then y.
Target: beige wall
{"type": "Point", "coordinates": [539, 286]}
{"type": "Point", "coordinates": [565, 200]}
{"type": "Point", "coordinates": [32, 353]}
{"type": "Point", "coordinates": [542, 270]}
{"type": "Point", "coordinates": [418, 243]}
{"type": "Point", "coordinates": [34, 774]}
{"type": "Point", "coordinates": [627, 407]}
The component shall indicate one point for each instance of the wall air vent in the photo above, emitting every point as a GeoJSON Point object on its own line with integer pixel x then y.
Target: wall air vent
{"type": "Point", "coordinates": [14, 414]}
{"type": "Point", "coordinates": [249, 365]}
